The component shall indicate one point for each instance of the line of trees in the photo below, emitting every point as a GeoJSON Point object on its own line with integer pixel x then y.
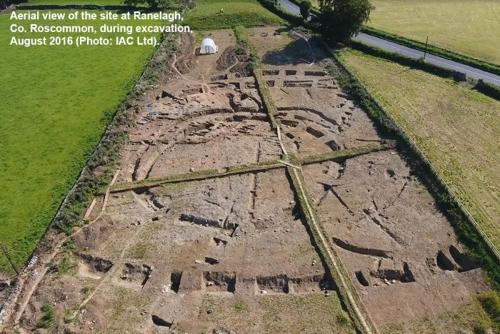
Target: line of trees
{"type": "Point", "coordinates": [149, 3]}
{"type": "Point", "coordinates": [156, 4]}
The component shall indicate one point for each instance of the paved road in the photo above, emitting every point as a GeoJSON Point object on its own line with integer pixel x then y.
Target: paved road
{"type": "Point", "coordinates": [386, 45]}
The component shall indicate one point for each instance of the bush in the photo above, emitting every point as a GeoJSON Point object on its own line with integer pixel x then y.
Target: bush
{"type": "Point", "coordinates": [47, 320]}
{"type": "Point", "coordinates": [490, 301]}
{"type": "Point", "coordinates": [342, 19]}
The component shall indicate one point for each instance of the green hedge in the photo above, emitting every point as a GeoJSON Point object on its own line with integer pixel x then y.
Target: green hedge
{"type": "Point", "coordinates": [488, 89]}
{"type": "Point", "coordinates": [6, 3]}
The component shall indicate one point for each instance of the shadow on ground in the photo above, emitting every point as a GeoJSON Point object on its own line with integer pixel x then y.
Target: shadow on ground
{"type": "Point", "coordinates": [297, 52]}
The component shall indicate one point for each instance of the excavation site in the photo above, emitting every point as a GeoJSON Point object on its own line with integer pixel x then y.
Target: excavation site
{"type": "Point", "coordinates": [255, 201]}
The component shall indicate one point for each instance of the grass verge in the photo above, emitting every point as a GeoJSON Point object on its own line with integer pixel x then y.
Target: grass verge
{"type": "Point", "coordinates": [244, 45]}
{"type": "Point", "coordinates": [485, 88]}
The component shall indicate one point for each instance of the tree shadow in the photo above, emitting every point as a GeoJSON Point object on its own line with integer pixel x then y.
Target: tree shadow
{"type": "Point", "coordinates": [299, 51]}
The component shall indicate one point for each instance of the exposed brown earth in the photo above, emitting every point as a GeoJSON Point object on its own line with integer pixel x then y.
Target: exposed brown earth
{"type": "Point", "coordinates": [233, 254]}
{"type": "Point", "coordinates": [399, 249]}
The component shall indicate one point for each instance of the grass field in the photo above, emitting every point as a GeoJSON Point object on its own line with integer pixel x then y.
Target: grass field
{"type": "Point", "coordinates": [206, 14]}
{"type": "Point", "coordinates": [470, 318]}
{"type": "Point", "coordinates": [466, 26]}
{"type": "Point", "coordinates": [455, 127]}
{"type": "Point", "coordinates": [54, 106]}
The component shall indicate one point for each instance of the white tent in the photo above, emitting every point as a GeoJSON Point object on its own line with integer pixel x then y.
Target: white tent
{"type": "Point", "coordinates": [208, 46]}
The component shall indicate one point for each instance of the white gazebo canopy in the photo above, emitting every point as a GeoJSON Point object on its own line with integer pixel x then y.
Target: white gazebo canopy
{"type": "Point", "coordinates": [208, 46]}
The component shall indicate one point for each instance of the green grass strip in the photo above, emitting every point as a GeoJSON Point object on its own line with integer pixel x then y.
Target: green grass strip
{"type": "Point", "coordinates": [198, 175]}
{"type": "Point", "coordinates": [244, 45]}
{"type": "Point", "coordinates": [250, 168]}
{"type": "Point", "coordinates": [349, 153]}
{"type": "Point", "coordinates": [482, 87]}
{"type": "Point", "coordinates": [265, 95]}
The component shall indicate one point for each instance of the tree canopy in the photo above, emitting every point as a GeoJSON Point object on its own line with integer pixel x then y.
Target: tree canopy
{"type": "Point", "coordinates": [305, 8]}
{"type": "Point", "coordinates": [342, 19]}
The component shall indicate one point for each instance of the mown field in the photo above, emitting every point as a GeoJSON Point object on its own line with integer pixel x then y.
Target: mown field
{"type": "Point", "coordinates": [220, 14]}
{"type": "Point", "coordinates": [469, 27]}
{"type": "Point", "coordinates": [55, 103]}
{"type": "Point", "coordinates": [455, 127]}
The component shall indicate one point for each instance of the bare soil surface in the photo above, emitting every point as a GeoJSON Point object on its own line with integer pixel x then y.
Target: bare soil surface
{"type": "Point", "coordinates": [232, 254]}
{"type": "Point", "coordinates": [399, 250]}
{"type": "Point", "coordinates": [204, 119]}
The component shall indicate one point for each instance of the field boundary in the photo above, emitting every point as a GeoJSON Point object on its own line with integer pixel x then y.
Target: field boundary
{"type": "Point", "coordinates": [460, 217]}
